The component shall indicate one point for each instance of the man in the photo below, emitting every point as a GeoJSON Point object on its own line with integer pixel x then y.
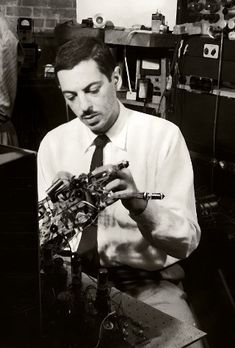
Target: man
{"type": "Point", "coordinates": [134, 235]}
{"type": "Point", "coordinates": [8, 82]}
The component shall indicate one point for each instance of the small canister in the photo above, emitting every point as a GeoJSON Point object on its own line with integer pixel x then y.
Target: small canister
{"type": "Point", "coordinates": [157, 21]}
{"type": "Point", "coordinates": [49, 71]}
{"type": "Point", "coordinates": [144, 90]}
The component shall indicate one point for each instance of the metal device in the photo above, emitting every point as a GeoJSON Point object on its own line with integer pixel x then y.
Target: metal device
{"type": "Point", "coordinates": [75, 202]}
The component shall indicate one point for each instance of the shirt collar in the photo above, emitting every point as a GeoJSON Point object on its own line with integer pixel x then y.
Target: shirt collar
{"type": "Point", "coordinates": [117, 133]}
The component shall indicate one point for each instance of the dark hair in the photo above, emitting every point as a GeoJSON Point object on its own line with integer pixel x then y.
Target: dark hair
{"type": "Point", "coordinates": [77, 50]}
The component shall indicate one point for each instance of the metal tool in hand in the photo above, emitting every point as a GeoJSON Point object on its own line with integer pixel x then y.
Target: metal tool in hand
{"type": "Point", "coordinates": [75, 202]}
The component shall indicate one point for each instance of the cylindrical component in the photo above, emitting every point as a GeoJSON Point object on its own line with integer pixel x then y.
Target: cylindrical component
{"type": "Point", "coordinates": [228, 3]}
{"type": "Point", "coordinates": [144, 89]}
{"type": "Point", "coordinates": [212, 17]}
{"type": "Point", "coordinates": [195, 17]}
{"type": "Point", "coordinates": [231, 35]}
{"type": "Point", "coordinates": [76, 270]}
{"type": "Point", "coordinates": [199, 6]}
{"type": "Point", "coordinates": [156, 196]}
{"type": "Point", "coordinates": [231, 23]}
{"type": "Point", "coordinates": [157, 20]}
{"type": "Point", "coordinates": [195, 82]}
{"type": "Point", "coordinates": [51, 192]}
{"type": "Point", "coordinates": [212, 6]}
{"type": "Point", "coordinates": [102, 300]}
{"type": "Point", "coordinates": [102, 279]}
{"type": "Point", "coordinates": [182, 79]}
{"type": "Point", "coordinates": [230, 14]}
{"type": "Point", "coordinates": [195, 6]}
{"type": "Point", "coordinates": [60, 275]}
{"type": "Point", "coordinates": [206, 84]}
{"type": "Point", "coordinates": [192, 5]}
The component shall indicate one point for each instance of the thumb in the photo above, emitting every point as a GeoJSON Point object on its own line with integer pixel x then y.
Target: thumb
{"type": "Point", "coordinates": [61, 180]}
{"type": "Point", "coordinates": [64, 176]}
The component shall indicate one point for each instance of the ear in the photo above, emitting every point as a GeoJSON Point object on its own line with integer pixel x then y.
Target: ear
{"type": "Point", "coordinates": [117, 78]}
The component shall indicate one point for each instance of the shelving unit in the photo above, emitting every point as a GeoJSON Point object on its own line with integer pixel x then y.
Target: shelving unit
{"type": "Point", "coordinates": [206, 119]}
{"type": "Point", "coordinates": [141, 45]}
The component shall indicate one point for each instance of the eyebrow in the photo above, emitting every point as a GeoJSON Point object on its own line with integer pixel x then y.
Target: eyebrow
{"type": "Point", "coordinates": [84, 89]}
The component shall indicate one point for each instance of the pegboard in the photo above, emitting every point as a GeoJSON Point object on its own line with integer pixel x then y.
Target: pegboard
{"type": "Point", "coordinates": [145, 326]}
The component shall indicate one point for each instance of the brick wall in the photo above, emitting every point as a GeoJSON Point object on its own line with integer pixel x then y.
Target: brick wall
{"type": "Point", "coordinates": [46, 13]}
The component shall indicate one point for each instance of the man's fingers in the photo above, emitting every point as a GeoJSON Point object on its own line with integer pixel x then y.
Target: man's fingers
{"type": "Point", "coordinates": [108, 168]}
{"type": "Point", "coordinates": [116, 185]}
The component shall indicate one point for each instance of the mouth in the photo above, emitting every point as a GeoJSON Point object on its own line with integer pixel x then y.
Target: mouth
{"type": "Point", "coordinates": [91, 120]}
{"type": "Point", "coordinates": [90, 116]}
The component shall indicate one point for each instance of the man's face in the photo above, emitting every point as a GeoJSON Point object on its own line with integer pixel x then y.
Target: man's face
{"type": "Point", "coordinates": [90, 95]}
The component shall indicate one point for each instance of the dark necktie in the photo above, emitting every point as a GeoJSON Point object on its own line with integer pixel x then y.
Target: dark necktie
{"type": "Point", "coordinates": [87, 248]}
{"type": "Point", "coordinates": [97, 158]}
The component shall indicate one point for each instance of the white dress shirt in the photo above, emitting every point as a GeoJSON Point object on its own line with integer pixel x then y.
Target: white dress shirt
{"type": "Point", "coordinates": [159, 161]}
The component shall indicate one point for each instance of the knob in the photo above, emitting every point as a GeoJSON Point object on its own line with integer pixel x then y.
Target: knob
{"type": "Point", "coordinates": [53, 228]}
{"type": "Point", "coordinates": [212, 17]}
{"type": "Point", "coordinates": [228, 3]}
{"type": "Point", "coordinates": [212, 6]}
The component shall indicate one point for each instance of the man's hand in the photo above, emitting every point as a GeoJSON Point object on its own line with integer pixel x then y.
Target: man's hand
{"type": "Point", "coordinates": [64, 176]}
{"type": "Point", "coordinates": [122, 186]}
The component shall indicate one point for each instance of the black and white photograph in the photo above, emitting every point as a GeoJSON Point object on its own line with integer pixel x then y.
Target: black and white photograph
{"type": "Point", "coordinates": [117, 173]}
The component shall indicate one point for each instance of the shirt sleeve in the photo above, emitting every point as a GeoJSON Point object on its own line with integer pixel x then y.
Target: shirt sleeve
{"type": "Point", "coordinates": [171, 224]}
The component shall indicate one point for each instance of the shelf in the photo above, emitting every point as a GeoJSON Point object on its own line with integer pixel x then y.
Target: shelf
{"type": "Point", "coordinates": [139, 103]}
{"type": "Point", "coordinates": [223, 92]}
{"type": "Point", "coordinates": [140, 38]}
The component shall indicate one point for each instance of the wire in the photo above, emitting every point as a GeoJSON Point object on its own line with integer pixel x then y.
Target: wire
{"type": "Point", "coordinates": [128, 39]}
{"type": "Point", "coordinates": [136, 31]}
{"type": "Point", "coordinates": [173, 71]}
{"type": "Point", "coordinates": [215, 122]}
{"type": "Point", "coordinates": [101, 326]}
{"type": "Point", "coordinates": [160, 101]}
{"type": "Point", "coordinates": [91, 278]}
{"type": "Point", "coordinates": [127, 70]}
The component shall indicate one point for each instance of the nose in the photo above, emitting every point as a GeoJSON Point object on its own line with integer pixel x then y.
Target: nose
{"type": "Point", "coordinates": [84, 102]}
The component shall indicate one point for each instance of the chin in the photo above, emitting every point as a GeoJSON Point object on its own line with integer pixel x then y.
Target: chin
{"type": "Point", "coordinates": [98, 128]}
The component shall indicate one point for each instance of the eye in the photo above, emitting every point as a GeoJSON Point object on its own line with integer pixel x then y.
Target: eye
{"type": "Point", "coordinates": [94, 89]}
{"type": "Point", "coordinates": [70, 97]}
